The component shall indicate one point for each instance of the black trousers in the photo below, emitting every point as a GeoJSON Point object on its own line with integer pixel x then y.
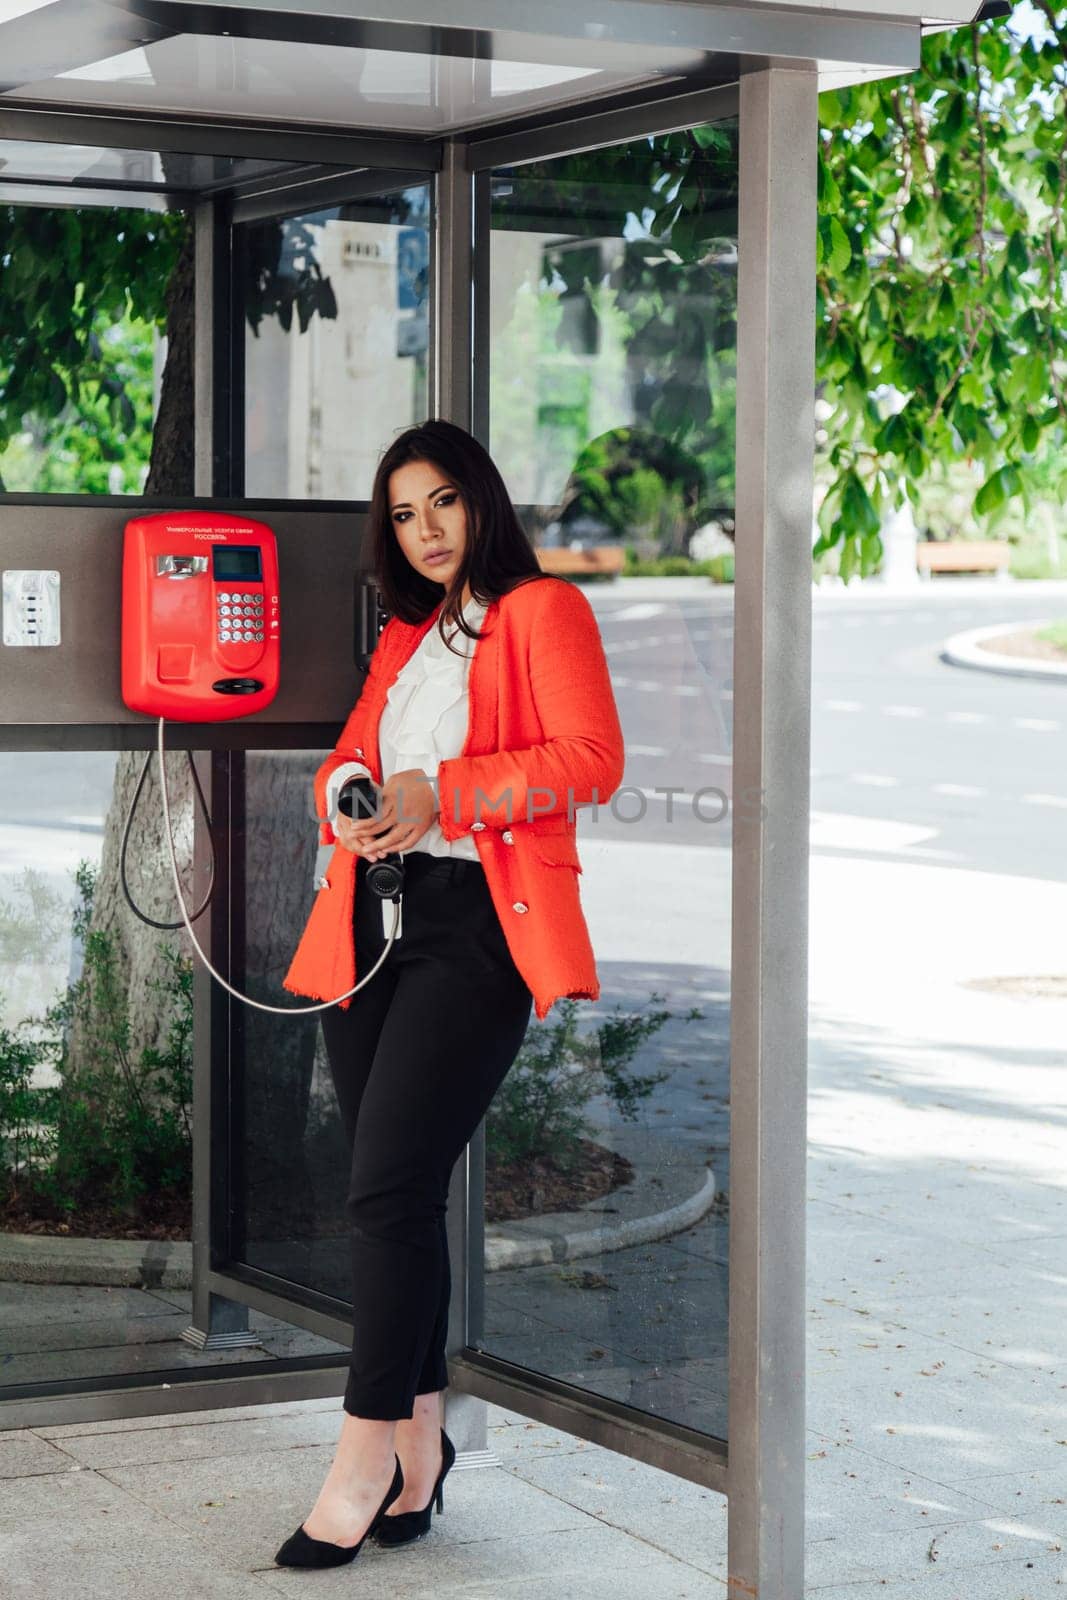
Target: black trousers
{"type": "Point", "coordinates": [416, 1059]}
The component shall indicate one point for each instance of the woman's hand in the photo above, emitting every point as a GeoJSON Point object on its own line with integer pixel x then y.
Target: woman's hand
{"type": "Point", "coordinates": [408, 809]}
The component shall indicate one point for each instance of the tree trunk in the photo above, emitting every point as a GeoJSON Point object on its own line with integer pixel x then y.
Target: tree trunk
{"type": "Point", "coordinates": [138, 947]}
{"type": "Point", "coordinates": [281, 843]}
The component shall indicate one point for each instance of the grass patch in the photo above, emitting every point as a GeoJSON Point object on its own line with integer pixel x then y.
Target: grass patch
{"type": "Point", "coordinates": [1055, 634]}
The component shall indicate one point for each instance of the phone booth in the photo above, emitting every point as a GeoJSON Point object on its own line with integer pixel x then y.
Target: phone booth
{"type": "Point", "coordinates": [331, 226]}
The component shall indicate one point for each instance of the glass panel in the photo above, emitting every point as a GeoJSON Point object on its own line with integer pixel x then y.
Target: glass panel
{"type": "Point", "coordinates": [613, 356]}
{"type": "Point", "coordinates": [292, 1163]}
{"type": "Point", "coordinates": [96, 1019]}
{"type": "Point", "coordinates": [336, 307]}
{"type": "Point", "coordinates": [353, 87]}
{"type": "Point", "coordinates": [96, 375]}
{"type": "Point", "coordinates": [24, 161]}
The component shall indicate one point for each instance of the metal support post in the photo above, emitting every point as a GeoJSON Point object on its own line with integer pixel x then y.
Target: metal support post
{"type": "Point", "coordinates": [772, 688]}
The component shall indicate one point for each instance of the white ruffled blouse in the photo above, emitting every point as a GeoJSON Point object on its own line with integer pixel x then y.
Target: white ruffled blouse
{"type": "Point", "coordinates": [425, 718]}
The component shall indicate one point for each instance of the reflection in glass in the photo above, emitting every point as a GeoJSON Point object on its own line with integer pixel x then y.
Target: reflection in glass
{"type": "Point", "coordinates": [612, 369]}
{"type": "Point", "coordinates": [96, 1017]}
{"type": "Point", "coordinates": [337, 307]}
{"type": "Point", "coordinates": [96, 377]}
{"type": "Point", "coordinates": [23, 160]}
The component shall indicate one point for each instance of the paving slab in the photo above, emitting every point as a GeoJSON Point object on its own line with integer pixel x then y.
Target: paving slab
{"type": "Point", "coordinates": [848, 1487]}
{"type": "Point", "coordinates": [952, 1546]}
{"type": "Point", "coordinates": [78, 1534]}
{"type": "Point", "coordinates": [29, 1305]}
{"type": "Point", "coordinates": [675, 1517]}
{"type": "Point", "coordinates": [1023, 1493]}
{"type": "Point", "coordinates": [90, 1333]}
{"type": "Point", "coordinates": [1040, 1579]}
{"type": "Point", "coordinates": [579, 1555]}
{"type": "Point", "coordinates": [194, 1439]}
{"type": "Point", "coordinates": [185, 1419]}
{"type": "Point", "coordinates": [249, 1504]}
{"type": "Point", "coordinates": [24, 1455]}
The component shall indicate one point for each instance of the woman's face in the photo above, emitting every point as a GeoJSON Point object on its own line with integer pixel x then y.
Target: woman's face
{"type": "Point", "coordinates": [428, 516]}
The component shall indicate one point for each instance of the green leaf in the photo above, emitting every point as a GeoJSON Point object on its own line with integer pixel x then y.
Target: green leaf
{"type": "Point", "coordinates": [871, 552]}
{"type": "Point", "coordinates": [1037, 379]}
{"type": "Point", "coordinates": [56, 393]}
{"type": "Point", "coordinates": [952, 123]}
{"type": "Point", "coordinates": [992, 493]}
{"type": "Point", "coordinates": [707, 138]}
{"type": "Point", "coordinates": [861, 178]}
{"type": "Point", "coordinates": [893, 434]}
{"type": "Point", "coordinates": [857, 508]}
{"type": "Point", "coordinates": [840, 248]}
{"type": "Point", "coordinates": [1018, 254]}
{"type": "Point", "coordinates": [971, 388]}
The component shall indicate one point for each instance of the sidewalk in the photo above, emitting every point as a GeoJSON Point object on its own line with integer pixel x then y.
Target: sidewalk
{"type": "Point", "coordinates": [193, 1507]}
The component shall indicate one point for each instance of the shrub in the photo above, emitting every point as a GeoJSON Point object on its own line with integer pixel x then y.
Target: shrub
{"type": "Point", "coordinates": [118, 1130]}
{"type": "Point", "coordinates": [538, 1109]}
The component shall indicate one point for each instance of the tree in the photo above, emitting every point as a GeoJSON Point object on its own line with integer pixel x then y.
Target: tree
{"type": "Point", "coordinates": [70, 281]}
{"type": "Point", "coordinates": [941, 260]}
{"type": "Point", "coordinates": [69, 277]}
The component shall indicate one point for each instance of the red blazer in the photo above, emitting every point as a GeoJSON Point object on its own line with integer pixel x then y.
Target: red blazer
{"type": "Point", "coordinates": [544, 731]}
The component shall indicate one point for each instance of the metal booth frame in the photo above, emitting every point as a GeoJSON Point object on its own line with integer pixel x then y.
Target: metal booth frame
{"type": "Point", "coordinates": [761, 1468]}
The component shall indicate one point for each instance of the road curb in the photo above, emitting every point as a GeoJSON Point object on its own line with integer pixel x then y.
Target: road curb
{"type": "Point", "coordinates": [964, 650]}
{"type": "Point", "coordinates": [567, 1236]}
{"type": "Point", "coordinates": [570, 1235]}
{"type": "Point", "coordinates": [107, 1263]}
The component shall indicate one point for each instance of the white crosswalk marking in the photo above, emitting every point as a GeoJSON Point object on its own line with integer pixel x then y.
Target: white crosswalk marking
{"type": "Point", "coordinates": [640, 611]}
{"type": "Point", "coordinates": [835, 829]}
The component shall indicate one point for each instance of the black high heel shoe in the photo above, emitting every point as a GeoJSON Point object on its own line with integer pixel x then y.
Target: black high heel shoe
{"type": "Point", "coordinates": [404, 1526]}
{"type": "Point", "coordinates": [301, 1550]}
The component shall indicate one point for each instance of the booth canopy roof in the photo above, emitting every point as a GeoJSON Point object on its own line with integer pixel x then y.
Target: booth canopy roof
{"type": "Point", "coordinates": [431, 67]}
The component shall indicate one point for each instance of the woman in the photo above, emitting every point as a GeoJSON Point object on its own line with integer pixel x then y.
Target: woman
{"type": "Point", "coordinates": [498, 691]}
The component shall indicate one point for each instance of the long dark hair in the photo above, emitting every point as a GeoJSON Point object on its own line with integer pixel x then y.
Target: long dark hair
{"type": "Point", "coordinates": [498, 555]}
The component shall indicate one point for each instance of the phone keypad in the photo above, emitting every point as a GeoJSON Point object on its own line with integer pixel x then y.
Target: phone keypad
{"type": "Point", "coordinates": [239, 616]}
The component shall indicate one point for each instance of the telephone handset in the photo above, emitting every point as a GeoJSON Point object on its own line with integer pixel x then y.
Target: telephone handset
{"type": "Point", "coordinates": [201, 617]}
{"type": "Point", "coordinates": [370, 619]}
{"type": "Point", "coordinates": [358, 798]}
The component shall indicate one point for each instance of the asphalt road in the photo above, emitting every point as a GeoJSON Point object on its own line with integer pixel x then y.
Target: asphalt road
{"type": "Point", "coordinates": [910, 756]}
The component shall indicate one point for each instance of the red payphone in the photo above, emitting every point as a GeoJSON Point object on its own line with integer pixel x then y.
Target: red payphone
{"type": "Point", "coordinates": [201, 618]}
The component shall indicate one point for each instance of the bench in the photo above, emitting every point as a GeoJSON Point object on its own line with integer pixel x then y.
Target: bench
{"type": "Point", "coordinates": [605, 558]}
{"type": "Point", "coordinates": [962, 555]}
